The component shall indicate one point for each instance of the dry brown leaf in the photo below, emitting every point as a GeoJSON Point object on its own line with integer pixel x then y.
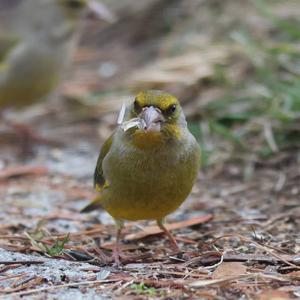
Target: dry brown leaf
{"type": "Point", "coordinates": [152, 230]}
{"type": "Point", "coordinates": [208, 282]}
{"type": "Point", "coordinates": [228, 269]}
{"type": "Point", "coordinates": [17, 171]}
{"type": "Point", "coordinates": [274, 295]}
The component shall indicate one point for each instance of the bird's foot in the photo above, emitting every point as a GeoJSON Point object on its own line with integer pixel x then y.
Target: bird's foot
{"type": "Point", "coordinates": [174, 247]}
{"type": "Point", "coordinates": [117, 255]}
{"type": "Point", "coordinates": [173, 243]}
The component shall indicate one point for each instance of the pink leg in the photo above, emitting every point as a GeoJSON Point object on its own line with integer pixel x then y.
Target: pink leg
{"type": "Point", "coordinates": [117, 251]}
{"type": "Point", "coordinates": [173, 242]}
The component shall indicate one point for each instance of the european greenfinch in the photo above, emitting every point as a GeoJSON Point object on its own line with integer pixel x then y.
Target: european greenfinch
{"type": "Point", "coordinates": [148, 166]}
{"type": "Point", "coordinates": [46, 32]}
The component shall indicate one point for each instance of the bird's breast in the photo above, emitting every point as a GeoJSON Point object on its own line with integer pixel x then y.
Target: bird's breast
{"type": "Point", "coordinates": [148, 184]}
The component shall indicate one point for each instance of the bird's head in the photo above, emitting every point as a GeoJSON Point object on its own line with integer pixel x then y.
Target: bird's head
{"type": "Point", "coordinates": [160, 115]}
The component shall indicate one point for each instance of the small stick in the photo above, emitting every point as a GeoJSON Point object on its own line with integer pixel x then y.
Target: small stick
{"type": "Point", "coordinates": [21, 262]}
{"type": "Point", "coordinates": [53, 287]}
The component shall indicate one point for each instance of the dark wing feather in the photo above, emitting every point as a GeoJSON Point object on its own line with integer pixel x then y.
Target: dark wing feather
{"type": "Point", "coordinates": [99, 179]}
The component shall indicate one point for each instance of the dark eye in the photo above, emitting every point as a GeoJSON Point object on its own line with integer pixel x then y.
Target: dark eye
{"type": "Point", "coordinates": [137, 107]}
{"type": "Point", "coordinates": [171, 109]}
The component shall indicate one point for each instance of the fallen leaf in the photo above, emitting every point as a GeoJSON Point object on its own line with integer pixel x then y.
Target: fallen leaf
{"type": "Point", "coordinates": [244, 257]}
{"type": "Point", "coordinates": [207, 282]}
{"type": "Point", "coordinates": [274, 295]}
{"type": "Point", "coordinates": [18, 171]}
{"type": "Point", "coordinates": [227, 269]}
{"type": "Point", "coordinates": [152, 230]}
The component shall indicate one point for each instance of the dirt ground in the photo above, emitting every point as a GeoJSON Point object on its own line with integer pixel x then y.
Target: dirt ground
{"type": "Point", "coordinates": [238, 231]}
{"type": "Point", "coordinates": [238, 238]}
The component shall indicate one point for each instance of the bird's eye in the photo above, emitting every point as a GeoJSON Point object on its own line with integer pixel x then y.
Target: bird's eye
{"type": "Point", "coordinates": [137, 107]}
{"type": "Point", "coordinates": [171, 109]}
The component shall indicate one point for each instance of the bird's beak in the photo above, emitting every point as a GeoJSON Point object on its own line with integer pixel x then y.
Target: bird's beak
{"type": "Point", "coordinates": [152, 118]}
{"type": "Point", "coordinates": [101, 11]}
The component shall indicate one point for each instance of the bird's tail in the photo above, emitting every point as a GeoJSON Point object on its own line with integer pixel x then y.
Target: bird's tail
{"type": "Point", "coordinates": [95, 204]}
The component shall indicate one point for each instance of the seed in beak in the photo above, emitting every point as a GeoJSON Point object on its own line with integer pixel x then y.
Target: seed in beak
{"type": "Point", "coordinates": [152, 117]}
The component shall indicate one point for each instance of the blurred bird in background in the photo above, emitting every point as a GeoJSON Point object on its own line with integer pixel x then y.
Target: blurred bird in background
{"type": "Point", "coordinates": [37, 46]}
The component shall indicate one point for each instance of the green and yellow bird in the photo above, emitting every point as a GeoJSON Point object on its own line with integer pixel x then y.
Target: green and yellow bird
{"type": "Point", "coordinates": [37, 48]}
{"type": "Point", "coordinates": [147, 169]}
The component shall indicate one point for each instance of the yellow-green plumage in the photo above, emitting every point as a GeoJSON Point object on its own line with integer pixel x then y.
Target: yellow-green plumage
{"type": "Point", "coordinates": [146, 171]}
{"type": "Point", "coordinates": [149, 179]}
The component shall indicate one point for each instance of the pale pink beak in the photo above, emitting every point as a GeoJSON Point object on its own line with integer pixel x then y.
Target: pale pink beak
{"type": "Point", "coordinates": [153, 118]}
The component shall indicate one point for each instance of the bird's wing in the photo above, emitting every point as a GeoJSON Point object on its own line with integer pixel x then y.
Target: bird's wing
{"type": "Point", "coordinates": [99, 180]}
{"type": "Point", "coordinates": [7, 44]}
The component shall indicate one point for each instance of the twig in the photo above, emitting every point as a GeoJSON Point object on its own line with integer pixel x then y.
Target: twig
{"type": "Point", "coordinates": [21, 262]}
{"type": "Point", "coordinates": [278, 257]}
{"type": "Point", "coordinates": [24, 284]}
{"type": "Point", "coordinates": [216, 264]}
{"type": "Point", "coordinates": [54, 287]}
{"type": "Point", "coordinates": [208, 282]}
{"type": "Point", "coordinates": [153, 230]}
{"type": "Point", "coordinates": [237, 258]}
{"type": "Point", "coordinates": [18, 171]}
{"type": "Point", "coordinates": [249, 257]}
{"type": "Point", "coordinates": [8, 277]}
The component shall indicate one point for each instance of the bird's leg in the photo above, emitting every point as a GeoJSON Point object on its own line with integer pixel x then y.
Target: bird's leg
{"type": "Point", "coordinates": [173, 242]}
{"type": "Point", "coordinates": [117, 251]}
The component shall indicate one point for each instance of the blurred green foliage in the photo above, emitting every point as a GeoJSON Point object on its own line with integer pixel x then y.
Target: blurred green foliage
{"type": "Point", "coordinates": [141, 288]}
{"type": "Point", "coordinates": [260, 113]}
